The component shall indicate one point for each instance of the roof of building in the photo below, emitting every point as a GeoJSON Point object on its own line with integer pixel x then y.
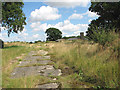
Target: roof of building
{"type": "Point", "coordinates": [72, 38]}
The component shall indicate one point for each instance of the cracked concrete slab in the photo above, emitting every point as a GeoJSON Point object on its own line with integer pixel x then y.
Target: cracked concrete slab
{"type": "Point", "coordinates": [51, 72]}
{"type": "Point", "coordinates": [46, 70]}
{"type": "Point", "coordinates": [26, 71]}
{"type": "Point", "coordinates": [31, 62]}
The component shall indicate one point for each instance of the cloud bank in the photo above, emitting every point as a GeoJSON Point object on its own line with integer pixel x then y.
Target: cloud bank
{"type": "Point", "coordinates": [67, 3]}
{"type": "Point", "coordinates": [45, 13]}
{"type": "Point", "coordinates": [66, 27]}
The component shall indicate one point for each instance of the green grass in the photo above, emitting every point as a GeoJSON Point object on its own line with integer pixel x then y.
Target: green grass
{"type": "Point", "coordinates": [8, 54]}
{"type": "Point", "coordinates": [25, 82]}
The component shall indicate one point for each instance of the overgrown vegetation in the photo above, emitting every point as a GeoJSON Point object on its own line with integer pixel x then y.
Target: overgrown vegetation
{"type": "Point", "coordinates": [102, 37]}
{"type": "Point", "coordinates": [105, 28]}
{"type": "Point", "coordinates": [92, 63]}
{"type": "Point", "coordinates": [84, 64]}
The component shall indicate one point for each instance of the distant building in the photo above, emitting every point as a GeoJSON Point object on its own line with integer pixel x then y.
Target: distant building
{"type": "Point", "coordinates": [81, 35]}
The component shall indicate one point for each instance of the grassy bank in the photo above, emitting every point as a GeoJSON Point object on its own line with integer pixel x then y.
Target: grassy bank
{"type": "Point", "coordinates": [92, 64]}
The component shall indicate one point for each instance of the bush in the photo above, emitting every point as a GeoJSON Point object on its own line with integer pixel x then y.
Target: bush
{"type": "Point", "coordinates": [102, 37]}
{"type": "Point", "coordinates": [30, 42]}
{"type": "Point", "coordinates": [38, 41]}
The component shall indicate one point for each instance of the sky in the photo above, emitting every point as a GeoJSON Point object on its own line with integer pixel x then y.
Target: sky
{"type": "Point", "coordinates": [70, 18]}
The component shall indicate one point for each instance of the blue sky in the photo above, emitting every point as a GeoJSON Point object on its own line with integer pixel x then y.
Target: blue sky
{"type": "Point", "coordinates": [71, 18]}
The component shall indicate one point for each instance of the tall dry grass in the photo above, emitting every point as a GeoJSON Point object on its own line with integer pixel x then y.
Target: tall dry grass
{"type": "Point", "coordinates": [90, 59]}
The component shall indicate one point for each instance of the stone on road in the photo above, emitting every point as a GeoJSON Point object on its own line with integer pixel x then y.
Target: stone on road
{"type": "Point", "coordinates": [49, 85]}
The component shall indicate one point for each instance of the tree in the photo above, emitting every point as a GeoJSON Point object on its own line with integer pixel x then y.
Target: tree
{"type": "Point", "coordinates": [13, 17]}
{"type": "Point", "coordinates": [53, 34]}
{"type": "Point", "coordinates": [109, 17]}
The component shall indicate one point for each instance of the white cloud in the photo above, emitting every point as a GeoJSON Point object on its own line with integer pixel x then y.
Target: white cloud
{"type": "Point", "coordinates": [65, 27]}
{"type": "Point", "coordinates": [76, 16]}
{"type": "Point", "coordinates": [77, 32]}
{"type": "Point", "coordinates": [44, 13]}
{"type": "Point", "coordinates": [91, 14]}
{"type": "Point", "coordinates": [4, 34]}
{"type": "Point", "coordinates": [80, 16]}
{"type": "Point", "coordinates": [89, 20]}
{"type": "Point", "coordinates": [3, 28]}
{"type": "Point", "coordinates": [67, 3]}
{"type": "Point", "coordinates": [25, 34]}
{"type": "Point", "coordinates": [0, 35]}
{"type": "Point", "coordinates": [37, 26]}
{"type": "Point", "coordinates": [33, 25]}
{"type": "Point", "coordinates": [36, 35]}
{"type": "Point", "coordinates": [75, 11]}
{"type": "Point", "coordinates": [22, 36]}
{"type": "Point", "coordinates": [24, 30]}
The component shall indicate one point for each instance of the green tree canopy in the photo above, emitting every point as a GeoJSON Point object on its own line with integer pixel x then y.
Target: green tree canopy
{"type": "Point", "coordinates": [109, 17]}
{"type": "Point", "coordinates": [13, 17]}
{"type": "Point", "coordinates": [53, 34]}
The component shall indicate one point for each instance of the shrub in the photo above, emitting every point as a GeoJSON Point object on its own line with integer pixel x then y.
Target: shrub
{"type": "Point", "coordinates": [38, 41]}
{"type": "Point", "coordinates": [30, 42]}
{"type": "Point", "coordinates": [102, 37]}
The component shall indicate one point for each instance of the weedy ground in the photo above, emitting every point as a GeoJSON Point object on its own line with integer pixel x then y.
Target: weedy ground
{"type": "Point", "coordinates": [87, 63]}
{"type": "Point", "coordinates": [11, 55]}
{"type": "Point", "coordinates": [84, 64]}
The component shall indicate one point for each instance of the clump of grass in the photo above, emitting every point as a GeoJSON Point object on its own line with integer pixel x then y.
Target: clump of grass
{"type": "Point", "coordinates": [19, 59]}
{"type": "Point", "coordinates": [25, 82]}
